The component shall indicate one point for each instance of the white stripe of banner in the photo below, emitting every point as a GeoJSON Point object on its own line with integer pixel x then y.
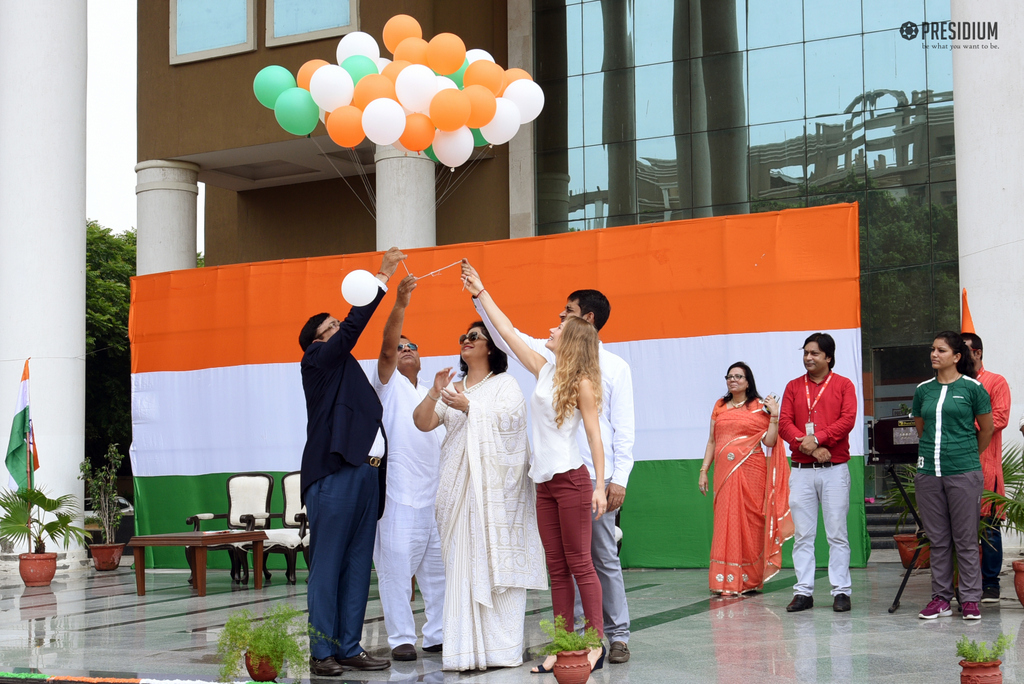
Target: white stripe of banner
{"type": "Point", "coordinates": [253, 418]}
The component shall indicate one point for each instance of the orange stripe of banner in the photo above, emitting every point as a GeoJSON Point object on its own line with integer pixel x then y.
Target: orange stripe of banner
{"type": "Point", "coordinates": [791, 270]}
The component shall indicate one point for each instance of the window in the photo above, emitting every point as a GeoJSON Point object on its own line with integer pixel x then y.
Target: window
{"type": "Point", "coordinates": [296, 21]}
{"type": "Point", "coordinates": [201, 29]}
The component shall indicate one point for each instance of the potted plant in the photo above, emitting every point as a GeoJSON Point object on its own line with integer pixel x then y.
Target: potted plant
{"type": "Point", "coordinates": [23, 520]}
{"type": "Point", "coordinates": [265, 643]}
{"type": "Point", "coordinates": [101, 487]}
{"type": "Point", "coordinates": [1012, 505]}
{"type": "Point", "coordinates": [571, 665]}
{"type": "Point", "coordinates": [980, 663]}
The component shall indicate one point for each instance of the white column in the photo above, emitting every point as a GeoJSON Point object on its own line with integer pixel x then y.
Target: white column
{"type": "Point", "coordinates": [405, 199]}
{"type": "Point", "coordinates": [522, 221]}
{"type": "Point", "coordinates": [166, 196]}
{"type": "Point", "coordinates": [42, 229]}
{"type": "Point", "coordinates": [988, 90]}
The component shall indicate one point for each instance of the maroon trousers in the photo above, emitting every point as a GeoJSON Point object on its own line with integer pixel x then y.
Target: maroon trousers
{"type": "Point", "coordinates": [564, 518]}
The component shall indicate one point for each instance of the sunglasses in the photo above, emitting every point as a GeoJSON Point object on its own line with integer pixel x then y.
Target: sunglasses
{"type": "Point", "coordinates": [411, 347]}
{"type": "Point", "coordinates": [472, 337]}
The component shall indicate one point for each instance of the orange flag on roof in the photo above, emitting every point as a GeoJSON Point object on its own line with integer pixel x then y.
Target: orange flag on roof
{"type": "Point", "coordinates": [966, 323]}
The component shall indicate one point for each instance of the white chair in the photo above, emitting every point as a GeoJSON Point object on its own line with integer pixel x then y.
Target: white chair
{"type": "Point", "coordinates": [288, 539]}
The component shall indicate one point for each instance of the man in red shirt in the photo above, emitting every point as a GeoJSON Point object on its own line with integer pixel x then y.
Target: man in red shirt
{"type": "Point", "coordinates": [991, 470]}
{"type": "Point", "coordinates": [818, 412]}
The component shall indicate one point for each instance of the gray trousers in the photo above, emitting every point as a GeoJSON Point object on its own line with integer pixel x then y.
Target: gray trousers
{"type": "Point", "coordinates": [950, 508]}
{"type": "Point", "coordinates": [605, 553]}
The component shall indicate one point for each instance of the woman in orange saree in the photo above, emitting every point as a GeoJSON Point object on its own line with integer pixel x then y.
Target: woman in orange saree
{"type": "Point", "coordinates": [751, 488]}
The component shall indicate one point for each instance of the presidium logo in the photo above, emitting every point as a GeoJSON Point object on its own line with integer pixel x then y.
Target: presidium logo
{"type": "Point", "coordinates": [967, 32]}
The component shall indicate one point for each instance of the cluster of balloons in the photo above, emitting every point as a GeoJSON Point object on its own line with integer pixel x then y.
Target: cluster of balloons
{"type": "Point", "coordinates": [435, 97]}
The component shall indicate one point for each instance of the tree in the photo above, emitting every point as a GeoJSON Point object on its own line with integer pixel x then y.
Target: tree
{"type": "Point", "coordinates": [109, 265]}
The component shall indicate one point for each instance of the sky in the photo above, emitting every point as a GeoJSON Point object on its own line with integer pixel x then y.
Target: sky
{"type": "Point", "coordinates": [110, 128]}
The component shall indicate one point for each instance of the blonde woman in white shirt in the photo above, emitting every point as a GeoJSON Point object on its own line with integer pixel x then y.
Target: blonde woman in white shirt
{"type": "Point", "coordinates": [567, 392]}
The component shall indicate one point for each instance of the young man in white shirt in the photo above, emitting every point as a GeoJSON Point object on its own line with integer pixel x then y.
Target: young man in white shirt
{"type": "Point", "coordinates": [617, 434]}
{"type": "Point", "coordinates": [408, 544]}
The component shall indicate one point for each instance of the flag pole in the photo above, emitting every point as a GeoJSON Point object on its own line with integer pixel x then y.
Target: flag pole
{"type": "Point", "coordinates": [29, 437]}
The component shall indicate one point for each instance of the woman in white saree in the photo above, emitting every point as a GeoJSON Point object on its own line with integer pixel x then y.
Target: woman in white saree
{"type": "Point", "coordinates": [486, 510]}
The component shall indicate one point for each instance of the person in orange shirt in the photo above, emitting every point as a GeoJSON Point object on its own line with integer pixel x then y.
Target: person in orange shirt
{"type": "Point", "coordinates": [992, 470]}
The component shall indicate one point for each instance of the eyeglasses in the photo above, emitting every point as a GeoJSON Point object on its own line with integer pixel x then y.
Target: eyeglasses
{"type": "Point", "coordinates": [472, 337]}
{"type": "Point", "coordinates": [411, 347]}
{"type": "Point", "coordinates": [736, 377]}
{"type": "Point", "coordinates": [332, 324]}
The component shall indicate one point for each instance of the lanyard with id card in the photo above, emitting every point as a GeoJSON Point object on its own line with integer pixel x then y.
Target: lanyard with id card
{"type": "Point", "coordinates": [809, 427]}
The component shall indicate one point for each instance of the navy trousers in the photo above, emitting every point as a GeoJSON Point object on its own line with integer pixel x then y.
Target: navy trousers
{"type": "Point", "coordinates": [991, 555]}
{"type": "Point", "coordinates": [342, 511]}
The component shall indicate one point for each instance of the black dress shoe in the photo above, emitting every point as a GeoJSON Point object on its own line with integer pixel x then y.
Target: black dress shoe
{"type": "Point", "coordinates": [404, 652]}
{"type": "Point", "coordinates": [436, 648]}
{"type": "Point", "coordinates": [841, 604]}
{"type": "Point", "coordinates": [363, 661]}
{"type": "Point", "coordinates": [800, 602]}
{"type": "Point", "coordinates": [328, 667]}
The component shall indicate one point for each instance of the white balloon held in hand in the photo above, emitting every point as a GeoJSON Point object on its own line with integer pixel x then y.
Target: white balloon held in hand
{"type": "Point", "coordinates": [359, 287]}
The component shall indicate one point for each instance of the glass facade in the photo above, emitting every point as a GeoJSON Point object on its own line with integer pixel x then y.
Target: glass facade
{"type": "Point", "coordinates": [673, 109]}
{"type": "Point", "coordinates": [204, 27]}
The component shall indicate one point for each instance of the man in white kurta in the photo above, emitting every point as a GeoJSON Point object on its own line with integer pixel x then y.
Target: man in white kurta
{"type": "Point", "coordinates": [407, 544]}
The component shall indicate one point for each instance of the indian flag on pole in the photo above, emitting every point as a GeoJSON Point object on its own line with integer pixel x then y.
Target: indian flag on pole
{"type": "Point", "coordinates": [22, 458]}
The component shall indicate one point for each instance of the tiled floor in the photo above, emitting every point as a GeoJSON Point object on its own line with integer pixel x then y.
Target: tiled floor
{"type": "Point", "coordinates": [94, 624]}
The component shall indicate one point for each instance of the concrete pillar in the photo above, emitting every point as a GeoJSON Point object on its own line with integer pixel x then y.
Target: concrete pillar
{"type": "Point", "coordinates": [522, 200]}
{"type": "Point", "coordinates": [405, 199]}
{"type": "Point", "coordinates": [166, 196]}
{"type": "Point", "coordinates": [988, 88]}
{"type": "Point", "coordinates": [42, 230]}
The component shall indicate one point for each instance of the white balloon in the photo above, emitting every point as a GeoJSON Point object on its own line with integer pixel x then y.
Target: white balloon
{"type": "Point", "coordinates": [331, 87]}
{"type": "Point", "coordinates": [359, 287]}
{"type": "Point", "coordinates": [528, 96]}
{"type": "Point", "coordinates": [383, 121]}
{"type": "Point", "coordinates": [453, 148]}
{"type": "Point", "coordinates": [476, 54]}
{"type": "Point", "coordinates": [381, 63]}
{"type": "Point", "coordinates": [505, 123]}
{"type": "Point", "coordinates": [416, 86]}
{"type": "Point", "coordinates": [323, 115]}
{"type": "Point", "coordinates": [445, 83]}
{"type": "Point", "coordinates": [358, 43]}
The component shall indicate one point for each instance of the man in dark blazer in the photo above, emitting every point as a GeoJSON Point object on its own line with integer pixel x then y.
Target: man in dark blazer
{"type": "Point", "coordinates": [343, 482]}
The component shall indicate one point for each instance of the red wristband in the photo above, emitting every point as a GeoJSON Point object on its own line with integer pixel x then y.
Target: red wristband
{"type": "Point", "coordinates": [386, 276]}
{"type": "Point", "coordinates": [482, 290]}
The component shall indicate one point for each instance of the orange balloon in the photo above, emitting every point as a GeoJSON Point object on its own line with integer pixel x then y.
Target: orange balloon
{"type": "Point", "coordinates": [449, 110]}
{"type": "Point", "coordinates": [482, 105]}
{"type": "Point", "coordinates": [345, 126]}
{"type": "Point", "coordinates": [371, 87]}
{"type": "Point", "coordinates": [306, 72]}
{"type": "Point", "coordinates": [513, 74]}
{"type": "Point", "coordinates": [398, 28]}
{"type": "Point", "coordinates": [412, 50]}
{"type": "Point", "coordinates": [484, 73]}
{"type": "Point", "coordinates": [392, 70]}
{"type": "Point", "coordinates": [446, 53]}
{"type": "Point", "coordinates": [419, 132]}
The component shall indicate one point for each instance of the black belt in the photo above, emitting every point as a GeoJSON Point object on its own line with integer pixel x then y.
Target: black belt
{"type": "Point", "coordinates": [826, 464]}
{"type": "Point", "coordinates": [373, 461]}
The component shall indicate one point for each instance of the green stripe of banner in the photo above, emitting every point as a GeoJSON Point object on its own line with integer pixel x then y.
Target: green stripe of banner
{"type": "Point", "coordinates": [666, 522]}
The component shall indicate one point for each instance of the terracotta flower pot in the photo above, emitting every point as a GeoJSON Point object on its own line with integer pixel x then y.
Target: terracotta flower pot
{"type": "Point", "coordinates": [37, 569]}
{"type": "Point", "coordinates": [572, 667]}
{"type": "Point", "coordinates": [106, 556]}
{"type": "Point", "coordinates": [1018, 580]}
{"type": "Point", "coordinates": [906, 543]}
{"type": "Point", "coordinates": [981, 673]}
{"type": "Point", "coordinates": [264, 673]}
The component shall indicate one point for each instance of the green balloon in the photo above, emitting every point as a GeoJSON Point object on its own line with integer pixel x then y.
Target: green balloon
{"type": "Point", "coordinates": [296, 111]}
{"type": "Point", "coordinates": [270, 82]}
{"type": "Point", "coordinates": [430, 153]}
{"type": "Point", "coordinates": [478, 138]}
{"type": "Point", "coordinates": [358, 66]}
{"type": "Point", "coordinates": [457, 76]}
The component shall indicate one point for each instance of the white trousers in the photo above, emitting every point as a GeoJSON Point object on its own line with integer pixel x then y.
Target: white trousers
{"type": "Point", "coordinates": [408, 545]}
{"type": "Point", "coordinates": [829, 488]}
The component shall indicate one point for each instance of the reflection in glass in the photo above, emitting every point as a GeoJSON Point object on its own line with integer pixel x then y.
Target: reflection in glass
{"type": "Point", "coordinates": [719, 170]}
{"type": "Point", "coordinates": [897, 145]}
{"type": "Point", "coordinates": [663, 176]}
{"type": "Point", "coordinates": [208, 26]}
{"type": "Point", "coordinates": [652, 24]}
{"type": "Point", "coordinates": [608, 107]}
{"type": "Point", "coordinates": [941, 143]}
{"type": "Point", "coordinates": [778, 158]}
{"type": "Point", "coordinates": [655, 101]}
{"type": "Point", "coordinates": [718, 92]}
{"type": "Point", "coordinates": [562, 124]}
{"type": "Point", "coordinates": [898, 227]}
{"type": "Point", "coordinates": [831, 18]}
{"type": "Point", "coordinates": [559, 41]}
{"type": "Point", "coordinates": [937, 10]}
{"type": "Point", "coordinates": [835, 153]}
{"type": "Point", "coordinates": [294, 17]}
{"type": "Point", "coordinates": [774, 22]}
{"type": "Point", "coordinates": [609, 177]}
{"type": "Point", "coordinates": [717, 26]}
{"type": "Point", "coordinates": [940, 72]}
{"type": "Point", "coordinates": [946, 285]}
{"type": "Point", "coordinates": [886, 14]}
{"type": "Point", "coordinates": [893, 68]}
{"type": "Point", "coordinates": [776, 83]}
{"type": "Point", "coordinates": [559, 180]}
{"type": "Point", "coordinates": [835, 75]}
{"type": "Point", "coordinates": [943, 216]}
{"type": "Point", "coordinates": [896, 306]}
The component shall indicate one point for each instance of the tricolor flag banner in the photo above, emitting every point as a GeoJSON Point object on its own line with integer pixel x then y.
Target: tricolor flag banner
{"type": "Point", "coordinates": [22, 458]}
{"type": "Point", "coordinates": [216, 387]}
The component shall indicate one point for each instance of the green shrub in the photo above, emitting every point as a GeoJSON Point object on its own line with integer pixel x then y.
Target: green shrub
{"type": "Point", "coordinates": [973, 652]}
{"type": "Point", "coordinates": [562, 640]}
{"type": "Point", "coordinates": [276, 636]}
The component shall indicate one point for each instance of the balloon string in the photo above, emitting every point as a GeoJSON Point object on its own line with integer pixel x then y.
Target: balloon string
{"type": "Point", "coordinates": [406, 268]}
{"type": "Point", "coordinates": [434, 273]}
